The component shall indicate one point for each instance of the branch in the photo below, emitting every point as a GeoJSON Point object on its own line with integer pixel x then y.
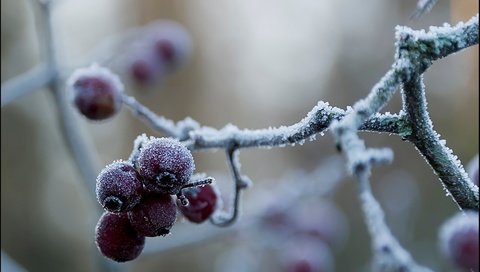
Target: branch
{"type": "Point", "coordinates": [446, 165]}
{"type": "Point", "coordinates": [223, 219]}
{"type": "Point", "coordinates": [24, 84]}
{"type": "Point", "coordinates": [389, 255]}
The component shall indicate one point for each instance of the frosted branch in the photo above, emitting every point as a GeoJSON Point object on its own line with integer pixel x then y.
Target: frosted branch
{"type": "Point", "coordinates": [446, 165]}
{"type": "Point", "coordinates": [389, 255]}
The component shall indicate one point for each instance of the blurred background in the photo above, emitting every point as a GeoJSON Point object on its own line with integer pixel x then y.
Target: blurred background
{"type": "Point", "coordinates": [254, 64]}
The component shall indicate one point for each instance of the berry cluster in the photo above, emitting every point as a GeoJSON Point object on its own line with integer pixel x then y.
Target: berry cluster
{"type": "Point", "coordinates": [165, 47]}
{"type": "Point", "coordinates": [138, 196]}
{"type": "Point", "coordinates": [314, 227]}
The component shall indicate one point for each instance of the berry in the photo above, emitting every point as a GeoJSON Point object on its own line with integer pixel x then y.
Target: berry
{"type": "Point", "coordinates": [155, 215]}
{"type": "Point", "coordinates": [96, 92]}
{"type": "Point", "coordinates": [140, 141]}
{"type": "Point", "coordinates": [166, 165]}
{"type": "Point", "coordinates": [119, 187]}
{"type": "Point", "coordinates": [459, 240]}
{"type": "Point", "coordinates": [117, 239]}
{"type": "Point", "coordinates": [172, 44]}
{"type": "Point", "coordinates": [304, 255]}
{"type": "Point", "coordinates": [144, 67]}
{"type": "Point", "coordinates": [202, 202]}
{"type": "Point", "coordinates": [472, 169]}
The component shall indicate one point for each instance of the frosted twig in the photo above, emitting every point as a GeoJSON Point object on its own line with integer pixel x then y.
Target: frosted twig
{"type": "Point", "coordinates": [223, 219]}
{"type": "Point", "coordinates": [446, 165]}
{"type": "Point", "coordinates": [8, 264]}
{"type": "Point", "coordinates": [389, 255]}
{"type": "Point", "coordinates": [25, 83]}
{"type": "Point", "coordinates": [423, 6]}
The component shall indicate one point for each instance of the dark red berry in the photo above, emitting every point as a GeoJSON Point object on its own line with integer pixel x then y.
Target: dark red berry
{"type": "Point", "coordinates": [155, 215]}
{"type": "Point", "coordinates": [202, 202]}
{"type": "Point", "coordinates": [119, 187]}
{"type": "Point", "coordinates": [166, 165]}
{"type": "Point", "coordinates": [304, 255]}
{"type": "Point", "coordinates": [96, 92]}
{"type": "Point", "coordinates": [459, 238]}
{"type": "Point", "coordinates": [117, 239]}
{"type": "Point", "coordinates": [171, 43]}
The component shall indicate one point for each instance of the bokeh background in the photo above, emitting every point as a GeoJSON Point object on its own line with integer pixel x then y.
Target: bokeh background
{"type": "Point", "coordinates": [255, 64]}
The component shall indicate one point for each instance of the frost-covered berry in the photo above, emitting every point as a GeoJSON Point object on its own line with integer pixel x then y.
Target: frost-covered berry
{"type": "Point", "coordinates": [459, 240]}
{"type": "Point", "coordinates": [172, 44]}
{"type": "Point", "coordinates": [472, 169]}
{"type": "Point", "coordinates": [119, 187]}
{"type": "Point", "coordinates": [166, 165]}
{"type": "Point", "coordinates": [305, 255]}
{"type": "Point", "coordinates": [202, 203]}
{"type": "Point", "coordinates": [155, 215]}
{"type": "Point", "coordinates": [117, 239]}
{"type": "Point", "coordinates": [96, 92]}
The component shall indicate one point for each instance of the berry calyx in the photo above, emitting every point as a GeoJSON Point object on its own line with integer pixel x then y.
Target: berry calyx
{"type": "Point", "coordinates": [117, 239]}
{"type": "Point", "coordinates": [202, 203]}
{"type": "Point", "coordinates": [459, 240]}
{"type": "Point", "coordinates": [96, 92]}
{"type": "Point", "coordinates": [154, 216]}
{"type": "Point", "coordinates": [119, 187]}
{"type": "Point", "coordinates": [166, 165]}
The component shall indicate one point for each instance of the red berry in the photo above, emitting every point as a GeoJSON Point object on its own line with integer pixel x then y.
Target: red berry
{"type": "Point", "coordinates": [119, 187]}
{"type": "Point", "coordinates": [202, 202]}
{"type": "Point", "coordinates": [144, 67]}
{"type": "Point", "coordinates": [172, 44]}
{"type": "Point", "coordinates": [154, 216]}
{"type": "Point", "coordinates": [166, 165]}
{"type": "Point", "coordinates": [459, 238]}
{"type": "Point", "coordinates": [304, 255]}
{"type": "Point", "coordinates": [116, 238]}
{"type": "Point", "coordinates": [96, 92]}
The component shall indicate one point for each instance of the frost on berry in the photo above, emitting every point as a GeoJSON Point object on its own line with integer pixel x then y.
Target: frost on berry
{"type": "Point", "coordinates": [96, 92]}
{"type": "Point", "coordinates": [202, 203]}
{"type": "Point", "coordinates": [117, 239]}
{"type": "Point", "coordinates": [166, 165]}
{"type": "Point", "coordinates": [140, 141]}
{"type": "Point", "coordinates": [472, 169]}
{"type": "Point", "coordinates": [171, 43]}
{"type": "Point", "coordinates": [155, 215]}
{"type": "Point", "coordinates": [119, 187]}
{"type": "Point", "coordinates": [459, 240]}
{"type": "Point", "coordinates": [305, 255]}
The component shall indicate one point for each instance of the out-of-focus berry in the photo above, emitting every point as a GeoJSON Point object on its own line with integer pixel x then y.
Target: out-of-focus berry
{"type": "Point", "coordinates": [166, 165]}
{"type": "Point", "coordinates": [96, 92]}
{"type": "Point", "coordinates": [171, 43]}
{"type": "Point", "coordinates": [305, 255]}
{"type": "Point", "coordinates": [155, 215]}
{"type": "Point", "coordinates": [116, 239]}
{"type": "Point", "coordinates": [119, 187]}
{"type": "Point", "coordinates": [459, 240]}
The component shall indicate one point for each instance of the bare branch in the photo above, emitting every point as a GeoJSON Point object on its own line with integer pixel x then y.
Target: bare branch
{"type": "Point", "coordinates": [446, 165]}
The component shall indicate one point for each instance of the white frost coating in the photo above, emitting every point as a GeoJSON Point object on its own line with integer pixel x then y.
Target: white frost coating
{"type": "Point", "coordinates": [94, 70]}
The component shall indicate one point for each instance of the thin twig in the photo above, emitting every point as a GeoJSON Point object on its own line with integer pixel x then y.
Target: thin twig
{"type": "Point", "coordinates": [223, 219]}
